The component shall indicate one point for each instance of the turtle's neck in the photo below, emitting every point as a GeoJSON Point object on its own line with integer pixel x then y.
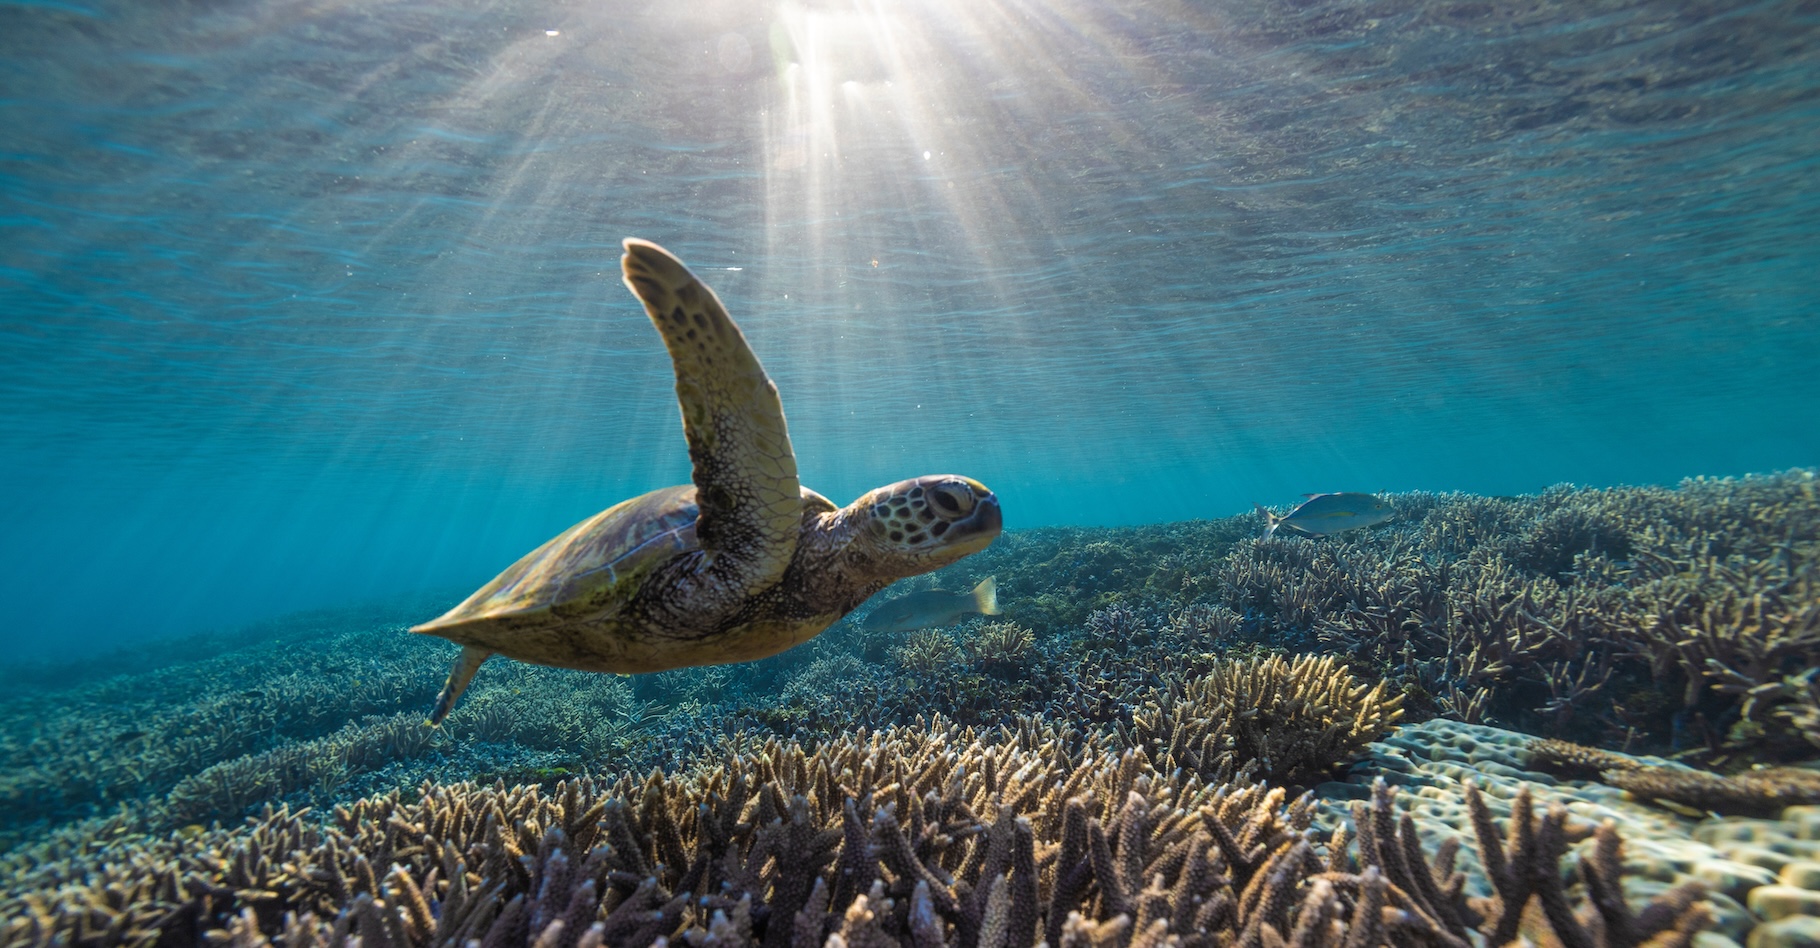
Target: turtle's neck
{"type": "Point", "coordinates": [835, 567]}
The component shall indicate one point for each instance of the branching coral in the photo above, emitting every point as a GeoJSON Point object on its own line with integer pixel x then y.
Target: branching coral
{"type": "Point", "coordinates": [1763, 792]}
{"type": "Point", "coordinates": [1296, 718]}
{"type": "Point", "coordinates": [1737, 626]}
{"type": "Point", "coordinates": [1522, 865]}
{"type": "Point", "coordinates": [231, 788]}
{"type": "Point", "coordinates": [229, 733]}
{"type": "Point", "coordinates": [1205, 624]}
{"type": "Point", "coordinates": [888, 818]}
{"type": "Point", "coordinates": [1577, 760]}
{"type": "Point", "coordinates": [140, 736]}
{"type": "Point", "coordinates": [1472, 607]}
{"type": "Point", "coordinates": [1802, 710]}
{"type": "Point", "coordinates": [935, 836]}
{"type": "Point", "coordinates": [1752, 793]}
{"type": "Point", "coordinates": [1001, 649]}
{"type": "Point", "coordinates": [927, 652]}
{"type": "Point", "coordinates": [1547, 612]}
{"type": "Point", "coordinates": [1117, 626]}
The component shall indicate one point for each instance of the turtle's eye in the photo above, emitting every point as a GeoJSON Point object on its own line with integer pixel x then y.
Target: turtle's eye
{"type": "Point", "coordinates": [951, 501]}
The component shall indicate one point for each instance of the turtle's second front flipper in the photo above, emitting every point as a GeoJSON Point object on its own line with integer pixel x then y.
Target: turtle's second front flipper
{"type": "Point", "coordinates": [464, 670]}
{"type": "Point", "coordinates": [745, 470]}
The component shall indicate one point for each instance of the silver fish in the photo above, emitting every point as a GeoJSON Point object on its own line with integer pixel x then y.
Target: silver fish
{"type": "Point", "coordinates": [933, 608]}
{"type": "Point", "coordinates": [1324, 514]}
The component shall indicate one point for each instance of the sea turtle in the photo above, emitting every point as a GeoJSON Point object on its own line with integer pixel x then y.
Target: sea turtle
{"type": "Point", "coordinates": [743, 563]}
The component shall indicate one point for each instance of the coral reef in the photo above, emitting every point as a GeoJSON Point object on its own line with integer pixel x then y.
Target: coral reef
{"type": "Point", "coordinates": [927, 836]}
{"type": "Point", "coordinates": [1678, 619]}
{"type": "Point", "coordinates": [1292, 721]}
{"type": "Point", "coordinates": [1576, 613]}
{"type": "Point", "coordinates": [1665, 846]}
{"type": "Point", "coordinates": [1751, 793]}
{"type": "Point", "coordinates": [1087, 778]}
{"type": "Point", "coordinates": [1577, 760]}
{"type": "Point", "coordinates": [1761, 792]}
{"type": "Point", "coordinates": [1001, 649]}
{"type": "Point", "coordinates": [300, 719]}
{"type": "Point", "coordinates": [79, 753]}
{"type": "Point", "coordinates": [1521, 867]}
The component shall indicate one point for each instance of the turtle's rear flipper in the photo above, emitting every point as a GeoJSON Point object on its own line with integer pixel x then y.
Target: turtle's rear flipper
{"type": "Point", "coordinates": [465, 667]}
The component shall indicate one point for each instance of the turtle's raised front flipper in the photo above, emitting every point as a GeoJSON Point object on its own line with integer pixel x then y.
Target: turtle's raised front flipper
{"type": "Point", "coordinates": [745, 470]}
{"type": "Point", "coordinates": [465, 667]}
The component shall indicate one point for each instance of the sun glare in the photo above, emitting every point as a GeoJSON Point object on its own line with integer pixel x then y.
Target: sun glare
{"type": "Point", "coordinates": [899, 146]}
{"type": "Point", "coordinates": [889, 150]}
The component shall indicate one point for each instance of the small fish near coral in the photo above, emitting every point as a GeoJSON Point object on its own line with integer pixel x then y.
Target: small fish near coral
{"type": "Point", "coordinates": [1325, 514]}
{"type": "Point", "coordinates": [743, 563]}
{"type": "Point", "coordinates": [933, 608]}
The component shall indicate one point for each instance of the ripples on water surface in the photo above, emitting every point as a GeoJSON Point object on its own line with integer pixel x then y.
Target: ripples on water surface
{"type": "Point", "coordinates": [304, 304]}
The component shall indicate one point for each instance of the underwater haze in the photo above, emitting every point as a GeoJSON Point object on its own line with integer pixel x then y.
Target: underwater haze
{"type": "Point", "coordinates": [312, 304]}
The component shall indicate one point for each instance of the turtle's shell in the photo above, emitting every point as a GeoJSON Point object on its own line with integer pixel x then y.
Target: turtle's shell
{"type": "Point", "coordinates": [588, 571]}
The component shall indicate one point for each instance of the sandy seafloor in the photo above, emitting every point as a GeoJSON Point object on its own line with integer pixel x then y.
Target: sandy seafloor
{"type": "Point", "coordinates": [1678, 627]}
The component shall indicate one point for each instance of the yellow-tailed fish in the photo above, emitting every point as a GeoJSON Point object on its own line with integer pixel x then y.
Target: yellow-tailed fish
{"type": "Point", "coordinates": [1323, 514]}
{"type": "Point", "coordinates": [933, 608]}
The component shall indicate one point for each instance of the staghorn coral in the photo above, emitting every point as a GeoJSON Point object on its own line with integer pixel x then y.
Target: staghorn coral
{"type": "Point", "coordinates": [1205, 624]}
{"type": "Point", "coordinates": [233, 787]}
{"type": "Point", "coordinates": [1577, 760]}
{"type": "Point", "coordinates": [1523, 866]}
{"type": "Point", "coordinates": [1565, 613]}
{"type": "Point", "coordinates": [760, 826]}
{"type": "Point", "coordinates": [1001, 649]}
{"type": "Point", "coordinates": [1739, 627]}
{"type": "Point", "coordinates": [926, 836]}
{"type": "Point", "coordinates": [276, 720]}
{"type": "Point", "coordinates": [79, 752]}
{"type": "Point", "coordinates": [1763, 792]}
{"type": "Point", "coordinates": [927, 651]}
{"type": "Point", "coordinates": [1297, 719]}
{"type": "Point", "coordinates": [1116, 626]}
{"type": "Point", "coordinates": [1802, 710]}
{"type": "Point", "coordinates": [1451, 606]}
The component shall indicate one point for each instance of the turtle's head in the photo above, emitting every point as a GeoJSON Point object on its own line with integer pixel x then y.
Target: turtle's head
{"type": "Point", "coordinates": [925, 523]}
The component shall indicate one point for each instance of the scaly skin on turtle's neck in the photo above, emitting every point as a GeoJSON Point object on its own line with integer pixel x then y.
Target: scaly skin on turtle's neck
{"type": "Point", "coordinates": [845, 556]}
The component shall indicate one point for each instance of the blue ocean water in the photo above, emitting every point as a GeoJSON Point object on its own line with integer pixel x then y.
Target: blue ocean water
{"type": "Point", "coordinates": [305, 304]}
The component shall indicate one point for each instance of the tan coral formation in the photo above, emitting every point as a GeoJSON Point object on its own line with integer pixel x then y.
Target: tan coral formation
{"type": "Point", "coordinates": [1762, 792]}
{"type": "Point", "coordinates": [1295, 719]}
{"type": "Point", "coordinates": [923, 836]}
{"type": "Point", "coordinates": [1621, 614]}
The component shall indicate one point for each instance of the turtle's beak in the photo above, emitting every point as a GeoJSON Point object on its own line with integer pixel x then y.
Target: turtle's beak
{"type": "Point", "coordinates": [978, 528]}
{"type": "Point", "coordinates": [986, 517]}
